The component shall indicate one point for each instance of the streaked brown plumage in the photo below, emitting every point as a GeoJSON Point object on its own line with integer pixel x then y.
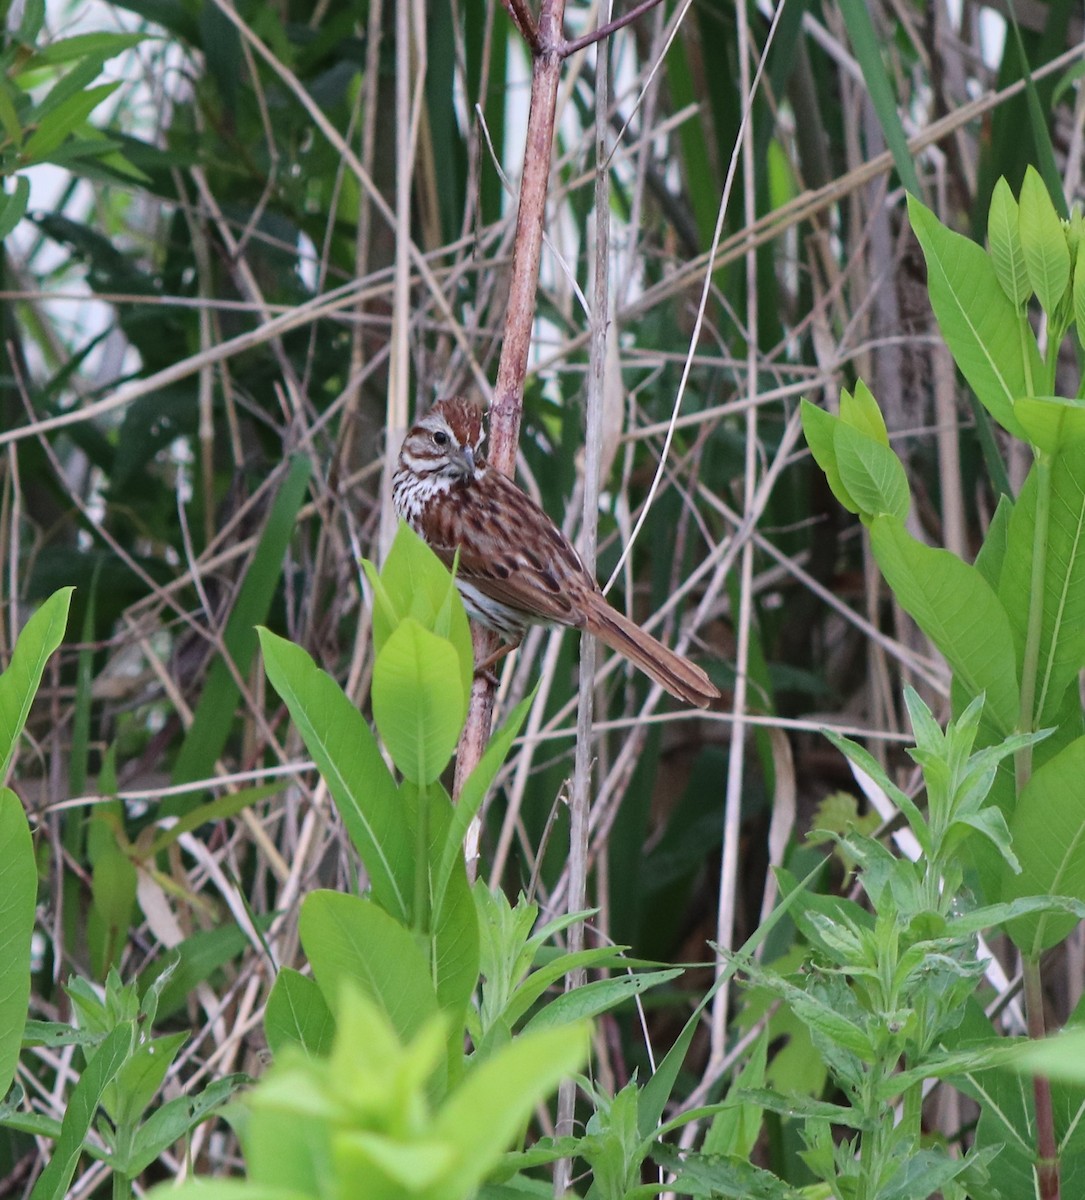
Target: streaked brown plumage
{"type": "Point", "coordinates": [516, 568]}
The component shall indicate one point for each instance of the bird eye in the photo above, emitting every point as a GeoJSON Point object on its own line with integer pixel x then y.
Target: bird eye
{"type": "Point", "coordinates": [440, 438]}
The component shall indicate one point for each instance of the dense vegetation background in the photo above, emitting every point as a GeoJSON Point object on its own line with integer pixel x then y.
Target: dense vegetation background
{"type": "Point", "coordinates": [217, 322]}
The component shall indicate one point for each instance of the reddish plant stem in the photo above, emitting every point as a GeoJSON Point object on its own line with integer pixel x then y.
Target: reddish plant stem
{"type": "Point", "coordinates": [1047, 1164]}
{"type": "Point", "coordinates": [512, 369]}
{"type": "Point", "coordinates": [597, 35]}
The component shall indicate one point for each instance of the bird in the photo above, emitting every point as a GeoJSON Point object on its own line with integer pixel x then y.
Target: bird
{"type": "Point", "coordinates": [514, 567]}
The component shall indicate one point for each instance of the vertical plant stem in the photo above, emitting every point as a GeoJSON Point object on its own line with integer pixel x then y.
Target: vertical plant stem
{"type": "Point", "coordinates": [581, 791]}
{"type": "Point", "coordinates": [507, 403]}
{"type": "Point", "coordinates": [1047, 1165]}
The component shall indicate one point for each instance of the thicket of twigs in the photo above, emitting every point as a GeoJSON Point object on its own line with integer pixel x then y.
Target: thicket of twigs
{"type": "Point", "coordinates": [211, 350]}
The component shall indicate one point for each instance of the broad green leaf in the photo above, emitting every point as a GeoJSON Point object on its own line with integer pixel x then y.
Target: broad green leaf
{"type": "Point", "coordinates": [18, 894]}
{"type": "Point", "coordinates": [1079, 292]}
{"type": "Point", "coordinates": [1051, 421]}
{"type": "Point", "coordinates": [82, 1105]}
{"type": "Point", "coordinates": [485, 1114]}
{"type": "Point", "coordinates": [348, 938]}
{"type": "Point", "coordinates": [297, 1013]}
{"type": "Point", "coordinates": [418, 702]}
{"type": "Point", "coordinates": [958, 610]}
{"type": "Point", "coordinates": [984, 332]}
{"type": "Point", "coordinates": [213, 719]}
{"type": "Point", "coordinates": [598, 997]}
{"type": "Point", "coordinates": [19, 683]}
{"type": "Point", "coordinates": [415, 583]}
{"type": "Point", "coordinates": [1062, 636]}
{"type": "Point", "coordinates": [1061, 1056]}
{"type": "Point", "coordinates": [349, 760]}
{"type": "Point", "coordinates": [872, 474]}
{"type": "Point", "coordinates": [224, 1189]}
{"type": "Point", "coordinates": [1004, 239]}
{"type": "Point", "coordinates": [1047, 256]}
{"type": "Point", "coordinates": [1048, 829]}
{"type": "Point", "coordinates": [820, 428]}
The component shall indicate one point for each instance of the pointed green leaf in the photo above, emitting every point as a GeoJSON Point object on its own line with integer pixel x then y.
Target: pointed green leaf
{"type": "Point", "coordinates": [18, 893]}
{"type": "Point", "coordinates": [872, 474]}
{"type": "Point", "coordinates": [1047, 256]}
{"type": "Point", "coordinates": [985, 334]}
{"type": "Point", "coordinates": [819, 428]}
{"type": "Point", "coordinates": [958, 610]}
{"type": "Point", "coordinates": [349, 760]}
{"type": "Point", "coordinates": [1004, 239]}
{"type": "Point", "coordinates": [298, 1014]}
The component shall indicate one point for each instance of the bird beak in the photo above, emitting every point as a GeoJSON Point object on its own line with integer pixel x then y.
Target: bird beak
{"type": "Point", "coordinates": [465, 462]}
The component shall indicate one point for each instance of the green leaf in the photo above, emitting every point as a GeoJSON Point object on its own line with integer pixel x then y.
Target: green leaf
{"type": "Point", "coordinates": [598, 997]}
{"type": "Point", "coordinates": [820, 428]}
{"type": "Point", "coordinates": [418, 702]}
{"type": "Point", "coordinates": [415, 583]}
{"type": "Point", "coordinates": [486, 1112]}
{"type": "Point", "coordinates": [82, 1105]}
{"type": "Point", "coordinates": [132, 1089]}
{"type": "Point", "coordinates": [297, 1013]}
{"type": "Point", "coordinates": [1062, 632]}
{"type": "Point", "coordinates": [1079, 292]}
{"type": "Point", "coordinates": [1047, 256]}
{"type": "Point", "coordinates": [1048, 827]}
{"type": "Point", "coordinates": [861, 412]}
{"type": "Point", "coordinates": [1050, 422]}
{"type": "Point", "coordinates": [348, 938]}
{"type": "Point", "coordinates": [211, 724]}
{"type": "Point", "coordinates": [350, 762]}
{"type": "Point", "coordinates": [13, 206]}
{"type": "Point", "coordinates": [1060, 1057]}
{"type": "Point", "coordinates": [18, 893]}
{"type": "Point", "coordinates": [958, 610]}
{"type": "Point", "coordinates": [19, 683]}
{"type": "Point", "coordinates": [1004, 239]}
{"type": "Point", "coordinates": [64, 120]}
{"type": "Point", "coordinates": [984, 332]}
{"type": "Point", "coordinates": [872, 474]}
{"type": "Point", "coordinates": [173, 1121]}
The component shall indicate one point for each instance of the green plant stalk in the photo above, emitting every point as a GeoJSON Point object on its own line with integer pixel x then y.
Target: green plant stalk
{"type": "Point", "coordinates": [1029, 664]}
{"type": "Point", "coordinates": [122, 1146]}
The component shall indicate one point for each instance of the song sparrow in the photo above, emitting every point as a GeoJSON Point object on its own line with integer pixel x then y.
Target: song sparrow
{"type": "Point", "coordinates": [516, 567]}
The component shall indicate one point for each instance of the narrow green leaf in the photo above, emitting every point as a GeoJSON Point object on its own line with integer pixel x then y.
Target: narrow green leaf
{"type": "Point", "coordinates": [1004, 239]}
{"type": "Point", "coordinates": [13, 206]}
{"type": "Point", "coordinates": [83, 1101]}
{"type": "Point", "coordinates": [173, 1121]}
{"type": "Point", "coordinates": [983, 330]}
{"type": "Point", "coordinates": [18, 893]}
{"type": "Point", "coordinates": [64, 120]}
{"type": "Point", "coordinates": [41, 635]}
{"type": "Point", "coordinates": [212, 722]}
{"type": "Point", "coordinates": [1047, 256]}
{"type": "Point", "coordinates": [868, 52]}
{"type": "Point", "coordinates": [598, 997]}
{"type": "Point", "coordinates": [958, 610]}
{"type": "Point", "coordinates": [350, 762]}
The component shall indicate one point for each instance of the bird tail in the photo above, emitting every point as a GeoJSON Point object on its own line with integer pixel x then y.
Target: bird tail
{"type": "Point", "coordinates": [671, 671]}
